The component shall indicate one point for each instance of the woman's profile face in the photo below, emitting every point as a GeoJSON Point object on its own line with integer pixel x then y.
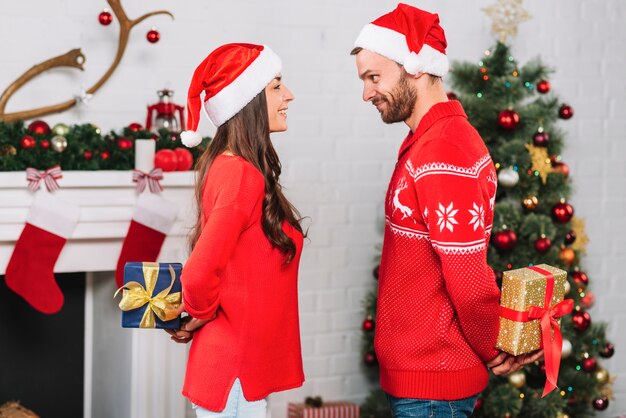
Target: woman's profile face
{"type": "Point", "coordinates": [278, 97]}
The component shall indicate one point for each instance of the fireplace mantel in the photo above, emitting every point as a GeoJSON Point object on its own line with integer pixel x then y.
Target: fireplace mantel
{"type": "Point", "coordinates": [106, 200]}
{"type": "Point", "coordinates": [144, 363]}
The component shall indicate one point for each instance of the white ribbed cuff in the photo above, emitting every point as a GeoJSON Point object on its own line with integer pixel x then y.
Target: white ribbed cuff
{"type": "Point", "coordinates": [155, 212]}
{"type": "Point", "coordinates": [50, 213]}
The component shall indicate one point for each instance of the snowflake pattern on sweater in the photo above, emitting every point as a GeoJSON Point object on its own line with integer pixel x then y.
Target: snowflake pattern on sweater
{"type": "Point", "coordinates": [437, 318]}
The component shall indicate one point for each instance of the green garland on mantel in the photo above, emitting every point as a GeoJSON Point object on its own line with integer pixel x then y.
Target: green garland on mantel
{"type": "Point", "coordinates": [86, 149]}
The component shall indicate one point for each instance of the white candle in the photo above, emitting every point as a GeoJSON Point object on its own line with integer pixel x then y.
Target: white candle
{"type": "Point", "coordinates": [144, 154]}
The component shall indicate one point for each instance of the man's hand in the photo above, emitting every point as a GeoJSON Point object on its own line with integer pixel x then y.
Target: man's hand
{"type": "Point", "coordinates": [504, 364]}
{"type": "Point", "coordinates": [188, 325]}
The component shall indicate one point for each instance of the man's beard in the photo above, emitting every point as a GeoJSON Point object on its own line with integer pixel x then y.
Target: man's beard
{"type": "Point", "coordinates": [400, 102]}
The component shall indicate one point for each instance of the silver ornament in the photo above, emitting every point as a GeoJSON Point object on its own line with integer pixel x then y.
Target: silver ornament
{"type": "Point", "coordinates": [508, 177]}
{"type": "Point", "coordinates": [566, 349]}
{"type": "Point", "coordinates": [58, 143]}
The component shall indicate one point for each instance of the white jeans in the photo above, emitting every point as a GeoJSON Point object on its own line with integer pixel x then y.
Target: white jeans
{"type": "Point", "coordinates": [236, 407]}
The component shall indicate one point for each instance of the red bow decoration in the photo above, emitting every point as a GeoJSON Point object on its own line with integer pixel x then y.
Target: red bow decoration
{"type": "Point", "coordinates": [152, 179]}
{"type": "Point", "coordinates": [49, 177]}
{"type": "Point", "coordinates": [550, 330]}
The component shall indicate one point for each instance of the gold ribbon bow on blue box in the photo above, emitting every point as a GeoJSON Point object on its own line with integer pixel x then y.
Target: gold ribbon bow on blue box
{"type": "Point", "coordinates": [150, 295]}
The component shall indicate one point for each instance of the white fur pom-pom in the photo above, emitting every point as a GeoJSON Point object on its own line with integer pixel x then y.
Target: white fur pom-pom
{"type": "Point", "coordinates": [190, 138]}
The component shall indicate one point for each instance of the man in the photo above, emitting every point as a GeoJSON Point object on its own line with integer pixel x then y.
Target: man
{"type": "Point", "coordinates": [437, 315]}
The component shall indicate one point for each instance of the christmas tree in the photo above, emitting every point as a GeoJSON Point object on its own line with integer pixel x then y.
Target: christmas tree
{"type": "Point", "coordinates": [517, 115]}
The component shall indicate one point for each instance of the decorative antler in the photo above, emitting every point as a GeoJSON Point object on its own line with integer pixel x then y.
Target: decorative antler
{"type": "Point", "coordinates": [76, 59]}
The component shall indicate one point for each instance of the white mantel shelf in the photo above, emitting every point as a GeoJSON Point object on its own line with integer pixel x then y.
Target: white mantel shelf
{"type": "Point", "coordinates": [106, 200]}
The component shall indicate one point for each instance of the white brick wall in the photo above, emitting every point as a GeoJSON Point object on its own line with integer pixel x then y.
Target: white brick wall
{"type": "Point", "coordinates": [337, 154]}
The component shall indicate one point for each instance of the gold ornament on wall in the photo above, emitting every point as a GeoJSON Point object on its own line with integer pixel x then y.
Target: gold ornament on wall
{"type": "Point", "coordinates": [74, 59]}
{"type": "Point", "coordinates": [506, 16]}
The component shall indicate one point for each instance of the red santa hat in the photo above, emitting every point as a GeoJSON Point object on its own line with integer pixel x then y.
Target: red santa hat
{"type": "Point", "coordinates": [408, 36]}
{"type": "Point", "coordinates": [230, 77]}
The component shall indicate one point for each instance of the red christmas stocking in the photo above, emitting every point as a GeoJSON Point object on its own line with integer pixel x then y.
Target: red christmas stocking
{"type": "Point", "coordinates": [30, 273]}
{"type": "Point", "coordinates": [152, 220]}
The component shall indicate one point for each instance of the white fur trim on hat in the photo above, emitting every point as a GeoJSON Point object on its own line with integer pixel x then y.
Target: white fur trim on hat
{"type": "Point", "coordinates": [234, 97]}
{"type": "Point", "coordinates": [392, 45]}
{"type": "Point", "coordinates": [428, 60]}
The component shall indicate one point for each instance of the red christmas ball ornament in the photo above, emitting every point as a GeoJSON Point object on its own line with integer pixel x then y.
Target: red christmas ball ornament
{"type": "Point", "coordinates": [185, 159]}
{"type": "Point", "coordinates": [541, 139]}
{"type": "Point", "coordinates": [479, 404]}
{"type": "Point", "coordinates": [125, 144]}
{"type": "Point", "coordinates": [166, 160]}
{"type": "Point", "coordinates": [452, 96]}
{"type": "Point", "coordinates": [562, 212]}
{"type": "Point", "coordinates": [581, 320]}
{"type": "Point", "coordinates": [570, 237]}
{"type": "Point", "coordinates": [368, 325]}
{"type": "Point", "coordinates": [87, 155]}
{"type": "Point", "coordinates": [561, 167]}
{"type": "Point", "coordinates": [601, 403]}
{"type": "Point", "coordinates": [27, 141]}
{"type": "Point", "coordinates": [39, 127]}
{"type": "Point", "coordinates": [105, 155]}
{"type": "Point", "coordinates": [543, 86]}
{"type": "Point", "coordinates": [45, 144]}
{"type": "Point", "coordinates": [105, 17]}
{"type": "Point", "coordinates": [135, 127]}
{"type": "Point", "coordinates": [508, 119]}
{"type": "Point", "coordinates": [505, 240]}
{"type": "Point", "coordinates": [590, 364]}
{"type": "Point", "coordinates": [607, 351]}
{"type": "Point", "coordinates": [580, 278]}
{"type": "Point", "coordinates": [153, 36]}
{"type": "Point", "coordinates": [566, 111]}
{"type": "Point", "coordinates": [543, 244]}
{"type": "Point", "coordinates": [369, 358]}
{"type": "Point", "coordinates": [588, 300]}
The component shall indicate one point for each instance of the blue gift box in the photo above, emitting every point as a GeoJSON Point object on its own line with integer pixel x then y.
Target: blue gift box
{"type": "Point", "coordinates": [151, 292]}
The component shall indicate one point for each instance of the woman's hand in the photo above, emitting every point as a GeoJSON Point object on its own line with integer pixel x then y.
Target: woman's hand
{"type": "Point", "coordinates": [188, 326]}
{"type": "Point", "coordinates": [504, 364]}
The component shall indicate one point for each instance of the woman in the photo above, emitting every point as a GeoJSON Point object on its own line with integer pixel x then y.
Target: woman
{"type": "Point", "coordinates": [240, 282]}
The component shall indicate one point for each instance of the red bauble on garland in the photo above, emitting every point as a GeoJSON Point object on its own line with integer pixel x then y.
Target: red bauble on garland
{"type": "Point", "coordinates": [153, 36]}
{"type": "Point", "coordinates": [562, 212]}
{"type": "Point", "coordinates": [560, 167]}
{"type": "Point", "coordinates": [543, 244]}
{"type": "Point", "coordinates": [166, 160]}
{"type": "Point", "coordinates": [566, 111]}
{"type": "Point", "coordinates": [369, 358]}
{"type": "Point", "coordinates": [125, 144]}
{"type": "Point", "coordinates": [588, 300]}
{"type": "Point", "coordinates": [185, 159]}
{"type": "Point", "coordinates": [105, 155]}
{"type": "Point", "coordinates": [87, 155]}
{"type": "Point", "coordinates": [508, 119]}
{"type": "Point", "coordinates": [590, 364]}
{"type": "Point", "coordinates": [27, 141]}
{"type": "Point", "coordinates": [543, 86]}
{"type": "Point", "coordinates": [135, 127]}
{"type": "Point", "coordinates": [505, 240]}
{"type": "Point", "coordinates": [581, 320]}
{"type": "Point", "coordinates": [105, 17]}
{"type": "Point", "coordinates": [39, 127]}
{"type": "Point", "coordinates": [570, 237]}
{"type": "Point", "coordinates": [580, 278]}
{"type": "Point", "coordinates": [368, 324]}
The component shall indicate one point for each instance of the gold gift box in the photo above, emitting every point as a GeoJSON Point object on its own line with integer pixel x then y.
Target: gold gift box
{"type": "Point", "coordinates": [521, 289]}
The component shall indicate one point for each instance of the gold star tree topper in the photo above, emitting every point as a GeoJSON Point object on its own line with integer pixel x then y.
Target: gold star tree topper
{"type": "Point", "coordinates": [540, 161]}
{"type": "Point", "coordinates": [506, 16]}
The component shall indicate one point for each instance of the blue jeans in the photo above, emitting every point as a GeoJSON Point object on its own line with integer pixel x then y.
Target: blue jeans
{"type": "Point", "coordinates": [236, 407]}
{"type": "Point", "coordinates": [422, 408]}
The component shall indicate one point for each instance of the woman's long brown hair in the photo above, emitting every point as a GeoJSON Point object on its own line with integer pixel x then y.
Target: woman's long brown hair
{"type": "Point", "coordinates": [247, 134]}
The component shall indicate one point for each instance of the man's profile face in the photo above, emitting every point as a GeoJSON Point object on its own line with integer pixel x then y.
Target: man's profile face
{"type": "Point", "coordinates": [386, 85]}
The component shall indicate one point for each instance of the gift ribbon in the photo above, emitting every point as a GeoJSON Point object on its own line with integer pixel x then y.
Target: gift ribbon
{"type": "Point", "coordinates": [163, 305]}
{"type": "Point", "coordinates": [49, 177]}
{"type": "Point", "coordinates": [550, 331]}
{"type": "Point", "coordinates": [151, 179]}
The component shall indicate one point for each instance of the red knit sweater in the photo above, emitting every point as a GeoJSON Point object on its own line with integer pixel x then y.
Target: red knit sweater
{"type": "Point", "coordinates": [437, 316]}
{"type": "Point", "coordinates": [235, 272]}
